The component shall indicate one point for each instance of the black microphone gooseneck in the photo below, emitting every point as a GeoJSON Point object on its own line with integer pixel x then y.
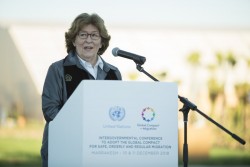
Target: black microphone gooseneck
{"type": "Point", "coordinates": [187, 105]}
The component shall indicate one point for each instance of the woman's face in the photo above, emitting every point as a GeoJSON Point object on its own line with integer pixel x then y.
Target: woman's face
{"type": "Point", "coordinates": [87, 43]}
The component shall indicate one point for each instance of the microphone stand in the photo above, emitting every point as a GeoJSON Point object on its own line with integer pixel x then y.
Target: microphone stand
{"type": "Point", "coordinates": [187, 105]}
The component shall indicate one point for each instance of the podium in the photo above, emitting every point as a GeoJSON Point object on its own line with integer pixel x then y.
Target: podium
{"type": "Point", "coordinates": [116, 124]}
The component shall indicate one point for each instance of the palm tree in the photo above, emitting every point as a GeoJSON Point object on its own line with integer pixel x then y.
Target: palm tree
{"type": "Point", "coordinates": [227, 62]}
{"type": "Point", "coordinates": [194, 60]}
{"type": "Point", "coordinates": [243, 94]}
{"type": "Point", "coordinates": [231, 61]}
{"type": "Point", "coordinates": [214, 90]}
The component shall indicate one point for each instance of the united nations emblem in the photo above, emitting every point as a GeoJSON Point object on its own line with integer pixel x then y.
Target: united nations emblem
{"type": "Point", "coordinates": [116, 113]}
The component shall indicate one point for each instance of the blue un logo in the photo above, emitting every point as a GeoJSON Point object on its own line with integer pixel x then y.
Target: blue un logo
{"type": "Point", "coordinates": [116, 113]}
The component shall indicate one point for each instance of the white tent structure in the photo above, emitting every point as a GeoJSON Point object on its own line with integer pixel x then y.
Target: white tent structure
{"type": "Point", "coordinates": [18, 92]}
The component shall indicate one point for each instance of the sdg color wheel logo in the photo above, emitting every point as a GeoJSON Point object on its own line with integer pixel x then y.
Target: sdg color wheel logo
{"type": "Point", "coordinates": [116, 113]}
{"type": "Point", "coordinates": [148, 114]}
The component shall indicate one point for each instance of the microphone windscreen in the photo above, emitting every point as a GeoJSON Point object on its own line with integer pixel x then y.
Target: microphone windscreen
{"type": "Point", "coordinates": [115, 51]}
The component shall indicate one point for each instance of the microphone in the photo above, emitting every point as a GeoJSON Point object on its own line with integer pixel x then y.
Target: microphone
{"type": "Point", "coordinates": [136, 58]}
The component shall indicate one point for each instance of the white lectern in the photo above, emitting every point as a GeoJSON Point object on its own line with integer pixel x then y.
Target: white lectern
{"type": "Point", "coordinates": [116, 124]}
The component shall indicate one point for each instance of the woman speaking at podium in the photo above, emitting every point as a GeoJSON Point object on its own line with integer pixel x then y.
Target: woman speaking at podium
{"type": "Point", "coordinates": [86, 40]}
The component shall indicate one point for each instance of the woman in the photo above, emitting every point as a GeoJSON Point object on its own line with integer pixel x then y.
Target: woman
{"type": "Point", "coordinates": [86, 40]}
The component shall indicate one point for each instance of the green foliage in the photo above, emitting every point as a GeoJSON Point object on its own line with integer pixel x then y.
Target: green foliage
{"type": "Point", "coordinates": [230, 58]}
{"type": "Point", "coordinates": [19, 151]}
{"type": "Point", "coordinates": [219, 57]}
{"type": "Point", "coordinates": [20, 147]}
{"type": "Point", "coordinates": [243, 92]}
{"type": "Point", "coordinates": [214, 89]}
{"type": "Point", "coordinates": [194, 58]}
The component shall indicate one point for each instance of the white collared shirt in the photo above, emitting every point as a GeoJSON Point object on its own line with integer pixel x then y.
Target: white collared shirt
{"type": "Point", "coordinates": [92, 70]}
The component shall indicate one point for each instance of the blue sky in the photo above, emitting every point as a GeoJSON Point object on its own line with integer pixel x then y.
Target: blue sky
{"type": "Point", "coordinates": [183, 13]}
